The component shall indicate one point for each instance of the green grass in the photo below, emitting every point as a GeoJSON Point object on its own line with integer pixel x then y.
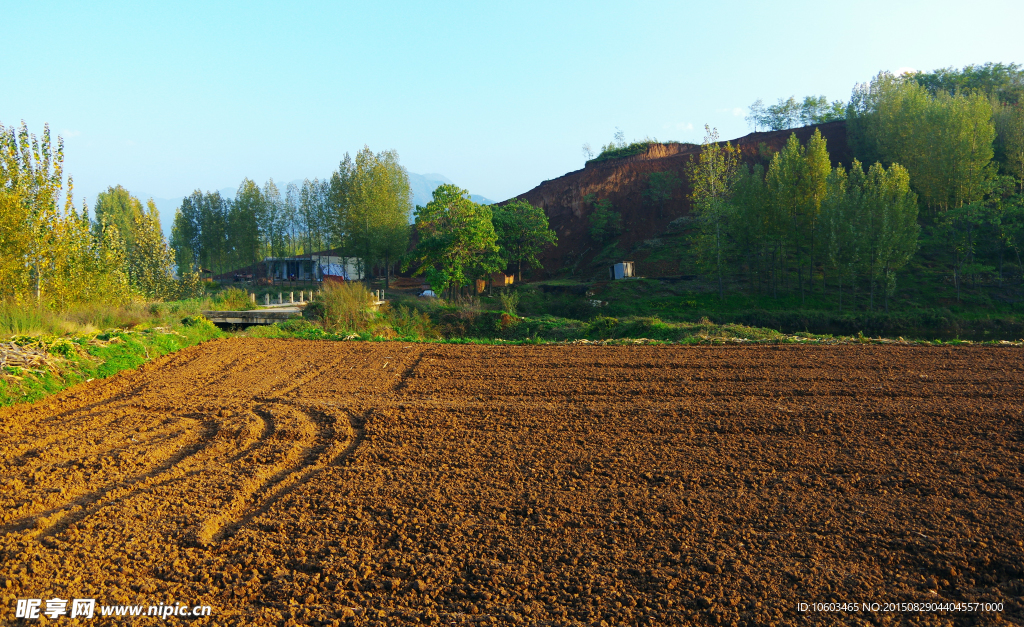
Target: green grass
{"type": "Point", "coordinates": [97, 356]}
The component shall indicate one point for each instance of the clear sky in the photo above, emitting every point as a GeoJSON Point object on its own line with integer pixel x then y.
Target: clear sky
{"type": "Point", "coordinates": [168, 97]}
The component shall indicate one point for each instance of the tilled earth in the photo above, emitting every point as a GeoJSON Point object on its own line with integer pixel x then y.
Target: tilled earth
{"type": "Point", "coordinates": [289, 482]}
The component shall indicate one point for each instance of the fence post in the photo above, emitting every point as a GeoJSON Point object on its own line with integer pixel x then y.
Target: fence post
{"type": "Point", "coordinates": [291, 297]}
{"type": "Point", "coordinates": [266, 299]}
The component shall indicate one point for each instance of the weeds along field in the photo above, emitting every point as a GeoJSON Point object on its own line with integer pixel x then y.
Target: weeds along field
{"type": "Point", "coordinates": [286, 482]}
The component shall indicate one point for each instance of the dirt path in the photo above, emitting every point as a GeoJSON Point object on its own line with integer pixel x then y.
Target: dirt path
{"type": "Point", "coordinates": [290, 482]}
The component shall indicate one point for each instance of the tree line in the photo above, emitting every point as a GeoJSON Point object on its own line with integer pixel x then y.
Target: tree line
{"type": "Point", "coordinates": [53, 254]}
{"type": "Point", "coordinates": [800, 222]}
{"type": "Point", "coordinates": [791, 113]}
{"type": "Point", "coordinates": [362, 210]}
{"type": "Point", "coordinates": [947, 155]}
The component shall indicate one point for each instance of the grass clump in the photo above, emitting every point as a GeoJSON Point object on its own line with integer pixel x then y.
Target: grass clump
{"type": "Point", "coordinates": [231, 299]}
{"type": "Point", "coordinates": [349, 309]}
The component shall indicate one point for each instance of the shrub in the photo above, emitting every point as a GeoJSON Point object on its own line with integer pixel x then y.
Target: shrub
{"type": "Point", "coordinates": [198, 321]}
{"type": "Point", "coordinates": [234, 299]}
{"type": "Point", "coordinates": [602, 326]}
{"type": "Point", "coordinates": [509, 301]}
{"type": "Point", "coordinates": [346, 307]}
{"type": "Point", "coordinates": [408, 322]}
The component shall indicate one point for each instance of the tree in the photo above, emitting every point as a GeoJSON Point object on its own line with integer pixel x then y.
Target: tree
{"type": "Point", "coordinates": [371, 199]}
{"type": "Point", "coordinates": [186, 233]}
{"type": "Point", "coordinates": [605, 222]}
{"type": "Point", "coordinates": [149, 261]}
{"type": "Point", "coordinates": [1009, 123]}
{"type": "Point", "coordinates": [318, 214]}
{"type": "Point", "coordinates": [245, 218]}
{"type": "Point", "coordinates": [995, 80]}
{"type": "Point", "coordinates": [840, 224]}
{"type": "Point", "coordinates": [890, 229]}
{"type": "Point", "coordinates": [757, 116]}
{"type": "Point", "coordinates": [660, 188]}
{"type": "Point", "coordinates": [118, 207]}
{"type": "Point", "coordinates": [456, 236]}
{"type": "Point", "coordinates": [523, 232]}
{"type": "Point", "coordinates": [711, 178]}
{"type": "Point", "coordinates": [945, 142]}
{"type": "Point", "coordinates": [797, 178]}
{"type": "Point", "coordinates": [48, 253]}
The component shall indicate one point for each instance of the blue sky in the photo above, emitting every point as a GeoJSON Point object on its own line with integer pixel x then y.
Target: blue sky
{"type": "Point", "coordinates": [164, 98]}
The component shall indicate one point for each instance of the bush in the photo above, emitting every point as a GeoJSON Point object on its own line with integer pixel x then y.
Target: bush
{"type": "Point", "coordinates": [602, 327]}
{"type": "Point", "coordinates": [346, 306]}
{"type": "Point", "coordinates": [198, 321]}
{"type": "Point", "coordinates": [410, 323]}
{"type": "Point", "coordinates": [509, 301]}
{"type": "Point", "coordinates": [233, 299]}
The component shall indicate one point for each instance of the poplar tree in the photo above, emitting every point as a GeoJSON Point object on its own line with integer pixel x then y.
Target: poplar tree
{"type": "Point", "coordinates": [245, 218]}
{"type": "Point", "coordinates": [945, 141]}
{"type": "Point", "coordinates": [890, 229]}
{"type": "Point", "coordinates": [711, 179]}
{"type": "Point", "coordinates": [840, 224]}
{"type": "Point", "coordinates": [118, 207]}
{"type": "Point", "coordinates": [372, 202]}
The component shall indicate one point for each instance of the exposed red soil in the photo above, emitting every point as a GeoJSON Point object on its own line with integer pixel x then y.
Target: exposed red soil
{"type": "Point", "coordinates": [291, 482]}
{"type": "Point", "coordinates": [623, 181]}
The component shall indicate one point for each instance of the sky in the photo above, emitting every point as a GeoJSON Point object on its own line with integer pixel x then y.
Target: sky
{"type": "Point", "coordinates": [166, 98]}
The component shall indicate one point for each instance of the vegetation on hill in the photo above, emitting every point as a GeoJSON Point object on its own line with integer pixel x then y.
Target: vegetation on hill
{"type": "Point", "coordinates": [927, 218]}
{"type": "Point", "coordinates": [790, 113]}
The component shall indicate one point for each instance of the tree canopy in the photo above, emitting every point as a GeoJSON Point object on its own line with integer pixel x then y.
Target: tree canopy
{"type": "Point", "coordinates": [523, 232]}
{"type": "Point", "coordinates": [456, 240]}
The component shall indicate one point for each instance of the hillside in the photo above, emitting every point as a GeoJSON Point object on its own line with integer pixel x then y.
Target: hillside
{"type": "Point", "coordinates": [623, 181]}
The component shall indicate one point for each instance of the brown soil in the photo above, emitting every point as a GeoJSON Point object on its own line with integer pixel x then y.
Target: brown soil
{"type": "Point", "coordinates": [291, 482]}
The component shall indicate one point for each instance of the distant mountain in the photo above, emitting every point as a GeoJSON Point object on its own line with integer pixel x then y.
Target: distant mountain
{"type": "Point", "coordinates": [421, 185]}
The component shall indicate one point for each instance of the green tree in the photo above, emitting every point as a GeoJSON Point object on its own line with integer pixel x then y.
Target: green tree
{"type": "Point", "coordinates": [841, 214]}
{"type": "Point", "coordinates": [1009, 123]}
{"type": "Point", "coordinates": [245, 216]}
{"type": "Point", "coordinates": [660, 188]}
{"type": "Point", "coordinates": [753, 225]}
{"type": "Point", "coordinates": [890, 227]}
{"type": "Point", "coordinates": [523, 232]}
{"type": "Point", "coordinates": [797, 178]}
{"type": "Point", "coordinates": [944, 141]}
{"type": "Point", "coordinates": [711, 177]}
{"type": "Point", "coordinates": [371, 199]}
{"type": "Point", "coordinates": [118, 207]}
{"type": "Point", "coordinates": [149, 261]}
{"type": "Point", "coordinates": [186, 233]}
{"type": "Point", "coordinates": [1005, 82]}
{"type": "Point", "coordinates": [605, 222]}
{"type": "Point", "coordinates": [456, 239]}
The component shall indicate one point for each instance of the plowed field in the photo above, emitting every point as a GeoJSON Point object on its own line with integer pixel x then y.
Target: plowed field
{"type": "Point", "coordinates": [289, 482]}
